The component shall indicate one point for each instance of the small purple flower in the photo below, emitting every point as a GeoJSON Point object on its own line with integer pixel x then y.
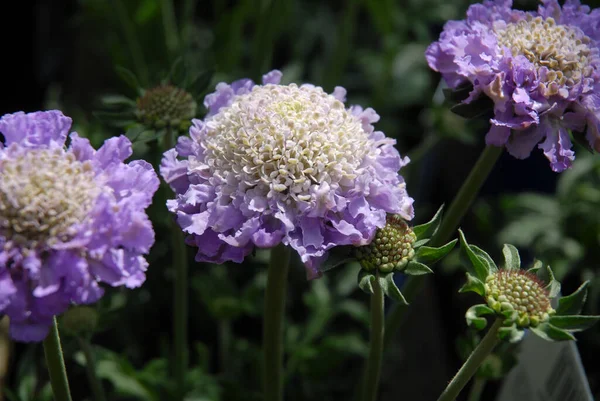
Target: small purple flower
{"type": "Point", "coordinates": [284, 164]}
{"type": "Point", "coordinates": [70, 218]}
{"type": "Point", "coordinates": [541, 69]}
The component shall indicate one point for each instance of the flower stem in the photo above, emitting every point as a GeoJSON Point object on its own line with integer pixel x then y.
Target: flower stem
{"type": "Point", "coordinates": [467, 193]}
{"type": "Point", "coordinates": [180, 295]}
{"type": "Point", "coordinates": [477, 389]}
{"type": "Point", "coordinates": [275, 295]}
{"type": "Point", "coordinates": [452, 218]}
{"type": "Point", "coordinates": [373, 367]}
{"type": "Point", "coordinates": [90, 368]}
{"type": "Point", "coordinates": [56, 364]}
{"type": "Point", "coordinates": [468, 369]}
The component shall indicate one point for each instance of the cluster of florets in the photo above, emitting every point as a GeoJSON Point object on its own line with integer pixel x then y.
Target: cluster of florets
{"type": "Point", "coordinates": [166, 106]}
{"type": "Point", "coordinates": [391, 249]}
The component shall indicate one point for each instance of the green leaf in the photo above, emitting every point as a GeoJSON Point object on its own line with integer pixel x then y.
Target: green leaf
{"type": "Point", "coordinates": [485, 258]}
{"type": "Point", "coordinates": [338, 256]}
{"type": "Point", "coordinates": [512, 259]}
{"type": "Point", "coordinates": [128, 77]}
{"type": "Point", "coordinates": [457, 94]}
{"type": "Point", "coordinates": [573, 322]}
{"type": "Point", "coordinates": [134, 132]}
{"type": "Point", "coordinates": [572, 304]}
{"type": "Point", "coordinates": [473, 284]}
{"type": "Point", "coordinates": [551, 333]}
{"type": "Point", "coordinates": [547, 276]}
{"type": "Point", "coordinates": [390, 289]}
{"type": "Point", "coordinates": [476, 108]}
{"type": "Point", "coordinates": [200, 83]}
{"type": "Point", "coordinates": [480, 264]}
{"type": "Point", "coordinates": [581, 139]}
{"type": "Point", "coordinates": [428, 229]}
{"type": "Point", "coordinates": [365, 281]}
{"type": "Point", "coordinates": [474, 314]}
{"type": "Point", "coordinates": [537, 265]}
{"type": "Point", "coordinates": [429, 255]}
{"type": "Point", "coordinates": [511, 334]}
{"type": "Point", "coordinates": [416, 269]}
{"type": "Point", "coordinates": [117, 100]}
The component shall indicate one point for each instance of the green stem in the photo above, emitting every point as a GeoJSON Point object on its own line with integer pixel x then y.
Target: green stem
{"type": "Point", "coordinates": [373, 367]}
{"type": "Point", "coordinates": [90, 369]}
{"type": "Point", "coordinates": [180, 294]}
{"type": "Point", "coordinates": [467, 193]}
{"type": "Point", "coordinates": [275, 295]}
{"type": "Point", "coordinates": [469, 368]}
{"type": "Point", "coordinates": [170, 26]}
{"type": "Point", "coordinates": [131, 39]}
{"type": "Point", "coordinates": [56, 364]}
{"type": "Point", "coordinates": [477, 389]}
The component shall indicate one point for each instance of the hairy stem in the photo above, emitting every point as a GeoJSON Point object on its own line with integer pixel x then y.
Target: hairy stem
{"type": "Point", "coordinates": [56, 365]}
{"type": "Point", "coordinates": [373, 366]}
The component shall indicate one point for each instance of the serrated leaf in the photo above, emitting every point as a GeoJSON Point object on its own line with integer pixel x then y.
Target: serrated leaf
{"type": "Point", "coordinates": [512, 260]}
{"type": "Point", "coordinates": [573, 322]}
{"type": "Point", "coordinates": [416, 269]}
{"type": "Point", "coordinates": [511, 334]}
{"type": "Point", "coordinates": [476, 108]}
{"type": "Point", "coordinates": [551, 333]}
{"type": "Point", "coordinates": [128, 77]}
{"type": "Point", "coordinates": [390, 289]}
{"type": "Point", "coordinates": [427, 230]}
{"type": "Point", "coordinates": [474, 313]}
{"type": "Point", "coordinates": [480, 264]}
{"type": "Point", "coordinates": [572, 304]}
{"type": "Point", "coordinates": [429, 255]}
{"type": "Point", "coordinates": [473, 284]}
{"type": "Point", "coordinates": [365, 281]}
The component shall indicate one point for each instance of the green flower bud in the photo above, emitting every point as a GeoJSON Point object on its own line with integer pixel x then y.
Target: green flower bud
{"type": "Point", "coordinates": [520, 291]}
{"type": "Point", "coordinates": [166, 106]}
{"type": "Point", "coordinates": [80, 320]}
{"type": "Point", "coordinates": [391, 249]}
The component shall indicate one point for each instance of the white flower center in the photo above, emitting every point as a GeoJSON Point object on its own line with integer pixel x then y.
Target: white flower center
{"type": "Point", "coordinates": [283, 140]}
{"type": "Point", "coordinates": [562, 49]}
{"type": "Point", "coordinates": [43, 193]}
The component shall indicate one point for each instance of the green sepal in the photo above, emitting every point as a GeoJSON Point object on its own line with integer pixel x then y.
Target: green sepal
{"type": "Point", "coordinates": [552, 333]}
{"type": "Point", "coordinates": [386, 281]}
{"type": "Point", "coordinates": [429, 255]}
{"type": "Point", "coordinates": [415, 268]}
{"type": "Point", "coordinates": [365, 281]}
{"type": "Point", "coordinates": [480, 264]}
{"type": "Point", "coordinates": [473, 284]}
{"type": "Point", "coordinates": [427, 230]}
{"type": "Point", "coordinates": [573, 322]}
{"type": "Point", "coordinates": [512, 260]}
{"type": "Point", "coordinates": [338, 256]}
{"type": "Point", "coordinates": [150, 135]}
{"type": "Point", "coordinates": [458, 94]}
{"type": "Point", "coordinates": [487, 259]}
{"type": "Point", "coordinates": [478, 107]}
{"type": "Point", "coordinates": [129, 78]}
{"type": "Point", "coordinates": [552, 286]}
{"type": "Point", "coordinates": [572, 304]}
{"type": "Point", "coordinates": [535, 268]}
{"type": "Point", "coordinates": [510, 317]}
{"type": "Point", "coordinates": [419, 243]}
{"type": "Point", "coordinates": [474, 313]}
{"type": "Point", "coordinates": [511, 333]}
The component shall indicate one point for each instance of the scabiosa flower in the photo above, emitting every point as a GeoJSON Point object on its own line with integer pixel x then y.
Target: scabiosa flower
{"type": "Point", "coordinates": [287, 164]}
{"type": "Point", "coordinates": [166, 106]}
{"type": "Point", "coordinates": [522, 298]}
{"type": "Point", "coordinates": [540, 69]}
{"type": "Point", "coordinates": [70, 218]}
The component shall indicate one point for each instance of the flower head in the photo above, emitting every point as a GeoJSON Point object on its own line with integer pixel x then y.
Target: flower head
{"type": "Point", "coordinates": [166, 106]}
{"type": "Point", "coordinates": [522, 298]}
{"type": "Point", "coordinates": [283, 163]}
{"type": "Point", "coordinates": [540, 69]}
{"type": "Point", "coordinates": [70, 218]}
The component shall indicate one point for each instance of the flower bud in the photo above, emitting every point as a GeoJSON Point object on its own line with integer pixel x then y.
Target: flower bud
{"type": "Point", "coordinates": [391, 249]}
{"type": "Point", "coordinates": [520, 291]}
{"type": "Point", "coordinates": [166, 106]}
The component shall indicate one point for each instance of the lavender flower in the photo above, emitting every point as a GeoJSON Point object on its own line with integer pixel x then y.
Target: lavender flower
{"type": "Point", "coordinates": [284, 164]}
{"type": "Point", "coordinates": [70, 218]}
{"type": "Point", "coordinates": [539, 68]}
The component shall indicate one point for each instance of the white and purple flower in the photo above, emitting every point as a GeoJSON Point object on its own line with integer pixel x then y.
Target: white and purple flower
{"type": "Point", "coordinates": [287, 164]}
{"type": "Point", "coordinates": [541, 70]}
{"type": "Point", "coordinates": [70, 218]}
